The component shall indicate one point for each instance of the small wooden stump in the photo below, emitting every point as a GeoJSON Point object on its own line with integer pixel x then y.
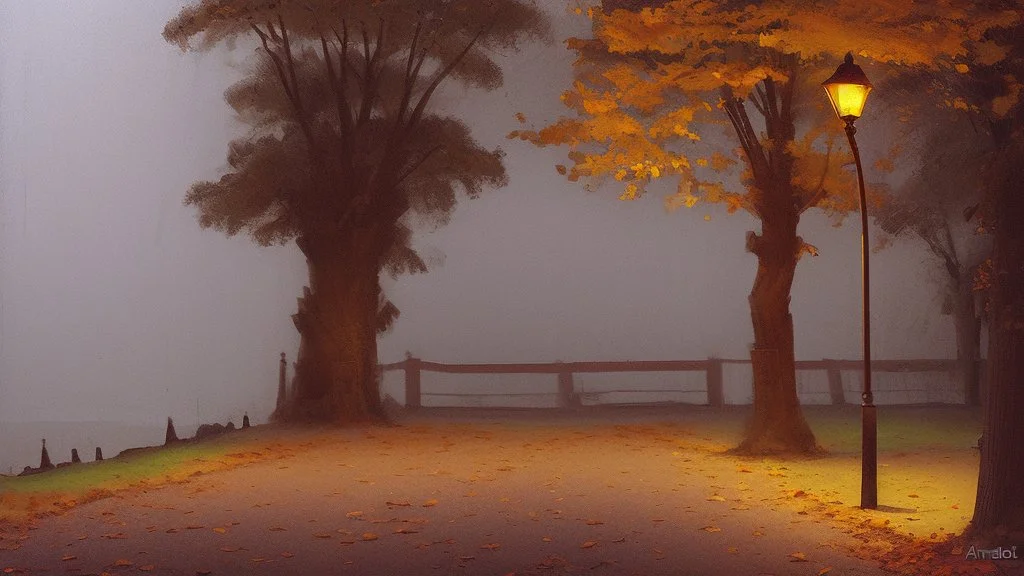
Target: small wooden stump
{"type": "Point", "coordinates": [74, 456]}
{"type": "Point", "coordinates": [171, 436]}
{"type": "Point", "coordinates": [44, 458]}
{"type": "Point", "coordinates": [99, 454]}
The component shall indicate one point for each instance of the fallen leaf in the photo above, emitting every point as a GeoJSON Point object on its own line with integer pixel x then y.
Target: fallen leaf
{"type": "Point", "coordinates": [287, 554]}
{"type": "Point", "coordinates": [172, 530]}
{"type": "Point", "coordinates": [744, 469]}
{"type": "Point", "coordinates": [797, 557]}
{"type": "Point", "coordinates": [228, 549]}
{"type": "Point", "coordinates": [147, 568]}
{"type": "Point", "coordinates": [354, 514]}
{"type": "Point", "coordinates": [912, 496]}
{"type": "Point", "coordinates": [758, 533]}
{"type": "Point", "coordinates": [716, 498]}
{"type": "Point", "coordinates": [397, 503]}
{"type": "Point", "coordinates": [490, 546]}
{"type": "Point", "coordinates": [406, 531]}
{"type": "Point", "coordinates": [955, 506]}
{"type": "Point", "coordinates": [367, 536]}
{"type": "Point", "coordinates": [117, 536]}
{"type": "Point", "coordinates": [588, 544]}
{"type": "Point", "coordinates": [277, 529]}
{"type": "Point", "coordinates": [68, 557]}
{"type": "Point", "coordinates": [220, 530]}
{"type": "Point", "coordinates": [429, 503]}
{"type": "Point", "coordinates": [824, 571]}
{"type": "Point", "coordinates": [711, 529]}
{"type": "Point", "coordinates": [122, 562]}
{"type": "Point", "coordinates": [467, 557]}
{"type": "Point", "coordinates": [740, 507]}
{"type": "Point", "coordinates": [733, 550]}
{"type": "Point", "coordinates": [194, 527]}
{"type": "Point", "coordinates": [799, 494]}
{"type": "Point", "coordinates": [594, 522]}
{"type": "Point", "coordinates": [546, 539]}
{"type": "Point", "coordinates": [619, 540]}
{"type": "Point", "coordinates": [321, 535]}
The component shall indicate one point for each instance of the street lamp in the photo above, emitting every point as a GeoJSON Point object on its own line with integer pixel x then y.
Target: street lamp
{"type": "Point", "coordinates": [848, 90]}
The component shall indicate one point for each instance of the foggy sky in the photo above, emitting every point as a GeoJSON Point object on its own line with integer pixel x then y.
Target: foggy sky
{"type": "Point", "coordinates": [115, 306]}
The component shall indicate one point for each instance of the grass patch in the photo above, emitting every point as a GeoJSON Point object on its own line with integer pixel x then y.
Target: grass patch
{"type": "Point", "coordinates": [24, 497]}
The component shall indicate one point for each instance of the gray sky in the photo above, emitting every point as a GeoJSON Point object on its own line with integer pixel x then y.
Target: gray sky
{"type": "Point", "coordinates": [116, 306]}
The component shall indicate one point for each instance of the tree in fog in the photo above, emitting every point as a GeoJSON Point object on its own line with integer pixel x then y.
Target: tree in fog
{"type": "Point", "coordinates": [952, 150]}
{"type": "Point", "coordinates": [343, 145]}
{"type": "Point", "coordinates": [659, 84]}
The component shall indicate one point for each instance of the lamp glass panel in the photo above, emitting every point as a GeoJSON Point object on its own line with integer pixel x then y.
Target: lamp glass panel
{"type": "Point", "coordinates": [848, 99]}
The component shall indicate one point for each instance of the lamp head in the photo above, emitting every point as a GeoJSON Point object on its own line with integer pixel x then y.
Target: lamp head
{"type": "Point", "coordinates": [848, 90]}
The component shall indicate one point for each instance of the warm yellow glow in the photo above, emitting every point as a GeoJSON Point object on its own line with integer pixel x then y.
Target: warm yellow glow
{"type": "Point", "coordinates": [848, 99]}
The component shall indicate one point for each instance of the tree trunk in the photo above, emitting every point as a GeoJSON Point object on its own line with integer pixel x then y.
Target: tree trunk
{"type": "Point", "coordinates": [336, 371]}
{"type": "Point", "coordinates": [968, 340]}
{"type": "Point", "coordinates": [999, 508]}
{"type": "Point", "coordinates": [778, 424]}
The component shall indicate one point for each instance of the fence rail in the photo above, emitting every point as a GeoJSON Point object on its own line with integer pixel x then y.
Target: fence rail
{"type": "Point", "coordinates": [713, 369]}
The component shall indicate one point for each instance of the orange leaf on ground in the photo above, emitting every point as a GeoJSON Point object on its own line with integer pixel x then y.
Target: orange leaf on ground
{"type": "Point", "coordinates": [397, 503]}
{"type": "Point", "coordinates": [490, 546]}
{"type": "Point", "coordinates": [588, 544]}
{"type": "Point", "coordinates": [406, 531]}
{"type": "Point", "coordinates": [354, 514]}
{"type": "Point", "coordinates": [277, 529]}
{"type": "Point", "coordinates": [594, 522]}
{"type": "Point", "coordinates": [220, 530]}
{"type": "Point", "coordinates": [68, 557]}
{"type": "Point", "coordinates": [147, 568]}
{"type": "Point", "coordinates": [711, 529]}
{"type": "Point", "coordinates": [122, 562]}
{"type": "Point", "coordinates": [367, 536]}
{"type": "Point", "coordinates": [287, 554]}
{"type": "Point", "coordinates": [716, 498]}
{"type": "Point", "coordinates": [429, 503]}
{"type": "Point", "coordinates": [229, 549]}
{"type": "Point", "coordinates": [797, 557]}
{"type": "Point", "coordinates": [824, 571]}
{"type": "Point", "coordinates": [546, 539]}
{"type": "Point", "coordinates": [321, 535]}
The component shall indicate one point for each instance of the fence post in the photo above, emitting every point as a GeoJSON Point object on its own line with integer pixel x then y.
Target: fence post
{"type": "Point", "coordinates": [280, 384]}
{"type": "Point", "coordinates": [412, 383]}
{"type": "Point", "coordinates": [567, 397]}
{"type": "Point", "coordinates": [835, 382]}
{"type": "Point", "coordinates": [716, 396]}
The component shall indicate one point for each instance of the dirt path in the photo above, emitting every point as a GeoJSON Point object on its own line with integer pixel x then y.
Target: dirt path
{"type": "Point", "coordinates": [455, 498]}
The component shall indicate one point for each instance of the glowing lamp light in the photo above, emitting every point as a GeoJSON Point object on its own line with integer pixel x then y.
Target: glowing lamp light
{"type": "Point", "coordinates": [848, 90]}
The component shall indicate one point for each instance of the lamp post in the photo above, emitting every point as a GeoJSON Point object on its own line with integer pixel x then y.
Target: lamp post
{"type": "Point", "coordinates": [848, 90]}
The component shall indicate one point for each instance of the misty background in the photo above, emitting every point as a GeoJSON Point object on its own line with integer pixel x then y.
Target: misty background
{"type": "Point", "coordinates": [116, 308]}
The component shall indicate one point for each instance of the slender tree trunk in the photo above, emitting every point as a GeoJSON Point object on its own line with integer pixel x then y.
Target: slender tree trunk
{"type": "Point", "coordinates": [967, 324]}
{"type": "Point", "coordinates": [336, 372]}
{"type": "Point", "coordinates": [778, 424]}
{"type": "Point", "coordinates": [1000, 503]}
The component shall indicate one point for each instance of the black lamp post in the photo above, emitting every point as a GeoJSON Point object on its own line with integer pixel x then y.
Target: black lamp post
{"type": "Point", "coordinates": [848, 90]}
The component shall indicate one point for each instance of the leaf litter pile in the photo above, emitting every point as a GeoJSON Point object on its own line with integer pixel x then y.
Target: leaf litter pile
{"type": "Point", "coordinates": [516, 498]}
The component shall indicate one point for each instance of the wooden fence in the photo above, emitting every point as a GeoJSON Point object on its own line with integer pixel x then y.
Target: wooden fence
{"type": "Point", "coordinates": [567, 395]}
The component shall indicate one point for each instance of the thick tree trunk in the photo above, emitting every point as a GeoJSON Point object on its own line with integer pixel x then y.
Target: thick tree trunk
{"type": "Point", "coordinates": [778, 424]}
{"type": "Point", "coordinates": [968, 341]}
{"type": "Point", "coordinates": [336, 372]}
{"type": "Point", "coordinates": [1000, 504]}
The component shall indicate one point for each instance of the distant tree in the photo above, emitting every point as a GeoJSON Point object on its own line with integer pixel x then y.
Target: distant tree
{"type": "Point", "coordinates": [662, 80]}
{"type": "Point", "coordinates": [952, 151]}
{"type": "Point", "coordinates": [344, 144]}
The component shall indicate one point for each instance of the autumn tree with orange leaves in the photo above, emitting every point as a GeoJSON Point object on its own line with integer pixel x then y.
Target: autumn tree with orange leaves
{"type": "Point", "coordinates": [344, 144]}
{"type": "Point", "coordinates": [660, 80]}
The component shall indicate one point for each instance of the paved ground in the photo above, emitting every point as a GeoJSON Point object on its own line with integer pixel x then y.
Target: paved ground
{"type": "Point", "coordinates": [453, 497]}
